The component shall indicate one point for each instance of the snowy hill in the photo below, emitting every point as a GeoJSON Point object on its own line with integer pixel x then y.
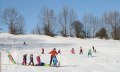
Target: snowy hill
{"type": "Point", "coordinates": [107, 58]}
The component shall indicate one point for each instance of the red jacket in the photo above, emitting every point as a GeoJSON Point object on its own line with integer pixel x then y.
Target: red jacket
{"type": "Point", "coordinates": [53, 53]}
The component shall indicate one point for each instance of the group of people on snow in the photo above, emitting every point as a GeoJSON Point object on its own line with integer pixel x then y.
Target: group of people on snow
{"type": "Point", "coordinates": [81, 51]}
{"type": "Point", "coordinates": [53, 58]}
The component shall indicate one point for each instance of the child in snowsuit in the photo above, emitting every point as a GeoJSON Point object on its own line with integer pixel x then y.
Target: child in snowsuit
{"type": "Point", "coordinates": [38, 60]}
{"type": "Point", "coordinates": [42, 51]}
{"type": "Point", "coordinates": [94, 50]}
{"type": "Point", "coordinates": [59, 52]}
{"type": "Point", "coordinates": [89, 53]}
{"type": "Point", "coordinates": [53, 54]}
{"type": "Point", "coordinates": [39, 63]}
{"type": "Point", "coordinates": [72, 51]}
{"type": "Point", "coordinates": [55, 61]}
{"type": "Point", "coordinates": [31, 60]}
{"type": "Point", "coordinates": [24, 59]}
{"type": "Point", "coordinates": [81, 50]}
{"type": "Point", "coordinates": [24, 43]}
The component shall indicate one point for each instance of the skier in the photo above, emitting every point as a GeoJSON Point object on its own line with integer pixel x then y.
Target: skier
{"type": "Point", "coordinates": [55, 61]}
{"type": "Point", "coordinates": [24, 43]}
{"type": "Point", "coordinates": [42, 51]}
{"type": "Point", "coordinates": [89, 53]}
{"type": "Point", "coordinates": [24, 59]}
{"type": "Point", "coordinates": [94, 50]}
{"type": "Point", "coordinates": [72, 51]}
{"type": "Point", "coordinates": [81, 50]}
{"type": "Point", "coordinates": [53, 54]}
{"type": "Point", "coordinates": [31, 60]}
{"type": "Point", "coordinates": [59, 51]}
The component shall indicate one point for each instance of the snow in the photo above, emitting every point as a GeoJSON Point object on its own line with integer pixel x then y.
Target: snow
{"type": "Point", "coordinates": [107, 58]}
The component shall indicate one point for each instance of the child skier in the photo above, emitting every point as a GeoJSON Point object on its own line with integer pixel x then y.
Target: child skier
{"type": "Point", "coordinates": [72, 51]}
{"type": "Point", "coordinates": [55, 61]}
{"type": "Point", "coordinates": [24, 43]}
{"type": "Point", "coordinates": [42, 51]}
{"type": "Point", "coordinates": [94, 50]}
{"type": "Point", "coordinates": [59, 52]}
{"type": "Point", "coordinates": [89, 53]}
{"type": "Point", "coordinates": [24, 59]}
{"type": "Point", "coordinates": [31, 60]}
{"type": "Point", "coordinates": [53, 54]}
{"type": "Point", "coordinates": [81, 50]}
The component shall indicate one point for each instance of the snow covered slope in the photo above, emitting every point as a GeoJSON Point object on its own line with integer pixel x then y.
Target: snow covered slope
{"type": "Point", "coordinates": [107, 58]}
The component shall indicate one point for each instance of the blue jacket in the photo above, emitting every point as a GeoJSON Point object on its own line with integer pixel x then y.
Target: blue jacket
{"type": "Point", "coordinates": [54, 59]}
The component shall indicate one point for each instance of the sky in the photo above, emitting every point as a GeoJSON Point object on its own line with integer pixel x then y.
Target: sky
{"type": "Point", "coordinates": [30, 9]}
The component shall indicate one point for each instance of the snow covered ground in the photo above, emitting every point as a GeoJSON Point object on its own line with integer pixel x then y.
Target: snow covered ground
{"type": "Point", "coordinates": [107, 58]}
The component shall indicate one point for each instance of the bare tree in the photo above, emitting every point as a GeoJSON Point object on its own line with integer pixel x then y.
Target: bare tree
{"type": "Point", "coordinates": [37, 30]}
{"type": "Point", "coordinates": [105, 23]}
{"type": "Point", "coordinates": [91, 23]}
{"type": "Point", "coordinates": [113, 18]}
{"type": "Point", "coordinates": [0, 16]}
{"type": "Point", "coordinates": [95, 25]}
{"type": "Point", "coordinates": [20, 25]}
{"type": "Point", "coordinates": [64, 21]}
{"type": "Point", "coordinates": [102, 33]}
{"type": "Point", "coordinates": [47, 19]}
{"type": "Point", "coordinates": [78, 29]}
{"type": "Point", "coordinates": [14, 21]}
{"type": "Point", "coordinates": [72, 18]}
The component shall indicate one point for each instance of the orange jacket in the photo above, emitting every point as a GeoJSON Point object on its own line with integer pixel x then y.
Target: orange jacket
{"type": "Point", "coordinates": [53, 53]}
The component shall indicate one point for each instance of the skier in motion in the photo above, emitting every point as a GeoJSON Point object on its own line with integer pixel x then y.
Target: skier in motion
{"type": "Point", "coordinates": [24, 43]}
{"type": "Point", "coordinates": [89, 53]}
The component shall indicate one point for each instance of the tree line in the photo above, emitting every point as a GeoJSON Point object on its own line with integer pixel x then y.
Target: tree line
{"type": "Point", "coordinates": [65, 23]}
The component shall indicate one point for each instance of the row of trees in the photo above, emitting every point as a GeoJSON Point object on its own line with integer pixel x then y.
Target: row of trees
{"type": "Point", "coordinates": [14, 20]}
{"type": "Point", "coordinates": [66, 23]}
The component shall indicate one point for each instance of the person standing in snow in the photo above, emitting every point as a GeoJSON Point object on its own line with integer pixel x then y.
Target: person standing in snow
{"type": "Point", "coordinates": [72, 51]}
{"type": "Point", "coordinates": [59, 52]}
{"type": "Point", "coordinates": [81, 50]}
{"type": "Point", "coordinates": [94, 50]}
{"type": "Point", "coordinates": [24, 43]}
{"type": "Point", "coordinates": [24, 59]}
{"type": "Point", "coordinates": [42, 51]}
{"type": "Point", "coordinates": [53, 54]}
{"type": "Point", "coordinates": [31, 60]}
{"type": "Point", "coordinates": [89, 53]}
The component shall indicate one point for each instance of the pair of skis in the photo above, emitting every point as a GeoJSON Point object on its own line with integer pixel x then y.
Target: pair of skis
{"type": "Point", "coordinates": [11, 57]}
